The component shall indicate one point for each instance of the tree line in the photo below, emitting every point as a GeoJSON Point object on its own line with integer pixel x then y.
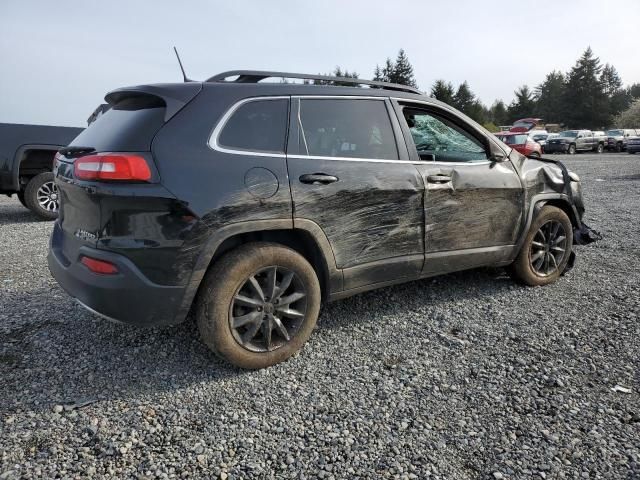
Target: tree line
{"type": "Point", "coordinates": [589, 95]}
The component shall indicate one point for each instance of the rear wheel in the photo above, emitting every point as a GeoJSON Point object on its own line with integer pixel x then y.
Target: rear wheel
{"type": "Point", "coordinates": [41, 196]}
{"type": "Point", "coordinates": [258, 305]}
{"type": "Point", "coordinates": [546, 249]}
{"type": "Point", "coordinates": [572, 149]}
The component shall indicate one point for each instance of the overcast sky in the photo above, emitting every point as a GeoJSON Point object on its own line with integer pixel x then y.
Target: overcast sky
{"type": "Point", "coordinates": [60, 57]}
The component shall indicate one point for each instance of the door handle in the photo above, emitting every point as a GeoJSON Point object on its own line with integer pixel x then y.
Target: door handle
{"type": "Point", "coordinates": [438, 178]}
{"type": "Point", "coordinates": [317, 178]}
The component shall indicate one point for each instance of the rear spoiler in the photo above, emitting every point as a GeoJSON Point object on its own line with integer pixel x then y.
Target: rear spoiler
{"type": "Point", "coordinates": [174, 95]}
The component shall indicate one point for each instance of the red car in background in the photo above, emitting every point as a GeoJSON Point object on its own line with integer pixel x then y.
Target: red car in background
{"type": "Point", "coordinates": [526, 124]}
{"type": "Point", "coordinates": [522, 142]}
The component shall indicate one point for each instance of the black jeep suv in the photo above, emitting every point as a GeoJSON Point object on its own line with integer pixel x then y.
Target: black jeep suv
{"type": "Point", "coordinates": [251, 202]}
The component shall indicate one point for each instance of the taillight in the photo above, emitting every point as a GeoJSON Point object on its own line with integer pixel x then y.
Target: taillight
{"type": "Point", "coordinates": [112, 166]}
{"type": "Point", "coordinates": [99, 266]}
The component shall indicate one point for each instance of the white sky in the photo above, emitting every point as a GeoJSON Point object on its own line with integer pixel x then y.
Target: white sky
{"type": "Point", "coordinates": [60, 57]}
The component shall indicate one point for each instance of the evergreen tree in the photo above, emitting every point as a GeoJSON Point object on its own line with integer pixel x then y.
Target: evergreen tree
{"type": "Point", "coordinates": [387, 70]}
{"type": "Point", "coordinates": [634, 90]}
{"type": "Point", "coordinates": [498, 113]}
{"type": "Point", "coordinates": [523, 105]}
{"type": "Point", "coordinates": [464, 98]}
{"type": "Point", "coordinates": [377, 74]}
{"type": "Point", "coordinates": [402, 71]}
{"type": "Point", "coordinates": [618, 98]}
{"type": "Point", "coordinates": [584, 99]}
{"type": "Point", "coordinates": [443, 91]}
{"type": "Point", "coordinates": [548, 97]}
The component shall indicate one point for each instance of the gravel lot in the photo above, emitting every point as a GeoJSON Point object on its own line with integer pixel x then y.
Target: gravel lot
{"type": "Point", "coordinates": [462, 376]}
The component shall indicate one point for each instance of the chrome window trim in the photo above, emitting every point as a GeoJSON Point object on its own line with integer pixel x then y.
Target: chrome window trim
{"type": "Point", "coordinates": [352, 159]}
{"type": "Point", "coordinates": [340, 97]}
{"type": "Point", "coordinates": [214, 145]}
{"type": "Point", "coordinates": [213, 138]}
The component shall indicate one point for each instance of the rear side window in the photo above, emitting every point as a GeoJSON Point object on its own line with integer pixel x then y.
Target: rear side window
{"type": "Point", "coordinates": [129, 125]}
{"type": "Point", "coordinates": [257, 126]}
{"type": "Point", "coordinates": [346, 128]}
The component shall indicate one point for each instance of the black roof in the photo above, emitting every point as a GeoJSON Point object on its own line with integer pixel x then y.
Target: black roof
{"type": "Point", "coordinates": [255, 76]}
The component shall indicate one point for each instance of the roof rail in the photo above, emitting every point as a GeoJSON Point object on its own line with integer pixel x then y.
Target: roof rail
{"type": "Point", "coordinates": [254, 76]}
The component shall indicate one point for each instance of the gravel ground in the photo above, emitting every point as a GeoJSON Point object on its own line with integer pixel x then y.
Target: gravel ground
{"type": "Point", "coordinates": [462, 376]}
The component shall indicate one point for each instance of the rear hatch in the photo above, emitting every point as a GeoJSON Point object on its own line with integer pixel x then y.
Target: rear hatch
{"type": "Point", "coordinates": [124, 134]}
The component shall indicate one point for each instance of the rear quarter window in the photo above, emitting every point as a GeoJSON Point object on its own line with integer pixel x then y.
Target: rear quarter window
{"type": "Point", "coordinates": [257, 126]}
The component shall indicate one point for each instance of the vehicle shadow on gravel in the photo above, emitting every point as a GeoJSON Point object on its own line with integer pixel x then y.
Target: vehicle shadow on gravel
{"type": "Point", "coordinates": [53, 346]}
{"type": "Point", "coordinates": [53, 351]}
{"type": "Point", "coordinates": [16, 213]}
{"type": "Point", "coordinates": [419, 295]}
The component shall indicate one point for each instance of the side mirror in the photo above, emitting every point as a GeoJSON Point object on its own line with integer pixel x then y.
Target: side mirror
{"type": "Point", "coordinates": [497, 157]}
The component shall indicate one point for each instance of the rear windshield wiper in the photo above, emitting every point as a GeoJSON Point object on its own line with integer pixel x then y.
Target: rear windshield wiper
{"type": "Point", "coordinates": [75, 151]}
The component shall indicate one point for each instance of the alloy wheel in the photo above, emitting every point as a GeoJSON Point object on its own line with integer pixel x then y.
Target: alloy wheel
{"type": "Point", "coordinates": [268, 309]}
{"type": "Point", "coordinates": [548, 248]}
{"type": "Point", "coordinates": [48, 196]}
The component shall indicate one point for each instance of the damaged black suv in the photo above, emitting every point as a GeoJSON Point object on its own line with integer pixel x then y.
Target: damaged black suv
{"type": "Point", "coordinates": [251, 202]}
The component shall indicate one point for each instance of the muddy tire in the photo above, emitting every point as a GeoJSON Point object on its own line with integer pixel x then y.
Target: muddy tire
{"type": "Point", "coordinates": [41, 196]}
{"type": "Point", "coordinates": [546, 249]}
{"type": "Point", "coordinates": [258, 305]}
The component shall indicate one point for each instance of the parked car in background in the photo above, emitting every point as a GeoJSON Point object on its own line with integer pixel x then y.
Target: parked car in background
{"type": "Point", "coordinates": [250, 203]}
{"type": "Point", "coordinates": [540, 137]}
{"type": "Point", "coordinates": [521, 142]}
{"type": "Point", "coordinates": [526, 124]}
{"type": "Point", "coordinates": [633, 144]}
{"type": "Point", "coordinates": [572, 141]}
{"type": "Point", "coordinates": [617, 138]}
{"type": "Point", "coordinates": [26, 164]}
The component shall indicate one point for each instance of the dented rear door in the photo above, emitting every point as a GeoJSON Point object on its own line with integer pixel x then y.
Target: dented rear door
{"type": "Point", "coordinates": [348, 176]}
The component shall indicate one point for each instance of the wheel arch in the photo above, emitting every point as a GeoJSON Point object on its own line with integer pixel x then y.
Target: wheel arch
{"type": "Point", "coordinates": [306, 238]}
{"type": "Point", "coordinates": [560, 201]}
{"type": "Point", "coordinates": [31, 159]}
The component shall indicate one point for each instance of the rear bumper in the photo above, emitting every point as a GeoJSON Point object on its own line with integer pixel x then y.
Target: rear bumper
{"type": "Point", "coordinates": [559, 147]}
{"type": "Point", "coordinates": [127, 296]}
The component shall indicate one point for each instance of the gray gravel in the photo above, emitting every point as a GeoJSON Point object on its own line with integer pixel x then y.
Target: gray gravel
{"type": "Point", "coordinates": [462, 376]}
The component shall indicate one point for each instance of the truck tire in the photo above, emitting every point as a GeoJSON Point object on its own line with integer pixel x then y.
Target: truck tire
{"type": "Point", "coordinates": [258, 305]}
{"type": "Point", "coordinates": [546, 248]}
{"type": "Point", "coordinates": [600, 148]}
{"type": "Point", "coordinates": [618, 147]}
{"type": "Point", "coordinates": [41, 196]}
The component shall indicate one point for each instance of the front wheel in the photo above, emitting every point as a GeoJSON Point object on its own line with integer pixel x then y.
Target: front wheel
{"type": "Point", "coordinates": [258, 305]}
{"type": "Point", "coordinates": [618, 147]}
{"type": "Point", "coordinates": [600, 148]}
{"type": "Point", "coordinates": [41, 196]}
{"type": "Point", "coordinates": [572, 150]}
{"type": "Point", "coordinates": [546, 249]}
